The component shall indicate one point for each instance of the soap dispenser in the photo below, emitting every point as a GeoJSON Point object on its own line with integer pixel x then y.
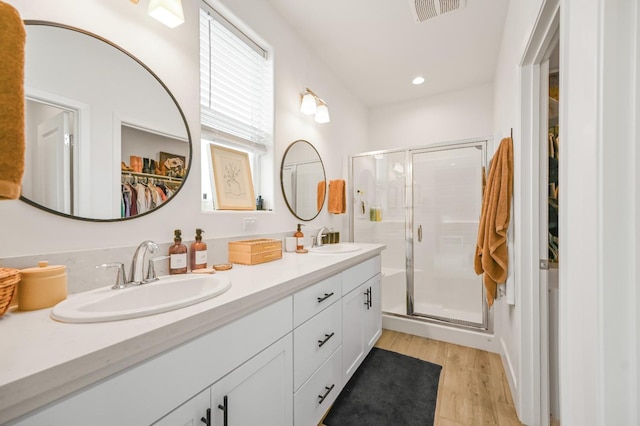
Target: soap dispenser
{"type": "Point", "coordinates": [299, 237]}
{"type": "Point", "coordinates": [198, 252]}
{"type": "Point", "coordinates": [177, 255]}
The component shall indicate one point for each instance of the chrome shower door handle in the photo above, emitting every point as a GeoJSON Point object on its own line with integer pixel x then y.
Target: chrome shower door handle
{"type": "Point", "coordinates": [419, 233]}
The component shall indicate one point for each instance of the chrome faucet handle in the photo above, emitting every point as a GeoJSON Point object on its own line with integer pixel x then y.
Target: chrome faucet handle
{"type": "Point", "coordinates": [137, 276]}
{"type": "Point", "coordinates": [151, 272]}
{"type": "Point", "coordinates": [319, 236]}
{"type": "Point", "coordinates": [121, 279]}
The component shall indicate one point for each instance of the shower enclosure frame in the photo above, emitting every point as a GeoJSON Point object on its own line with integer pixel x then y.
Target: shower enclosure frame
{"type": "Point", "coordinates": [486, 325]}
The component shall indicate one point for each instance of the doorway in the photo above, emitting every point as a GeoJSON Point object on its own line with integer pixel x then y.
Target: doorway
{"type": "Point", "coordinates": [537, 391]}
{"type": "Point", "coordinates": [50, 131]}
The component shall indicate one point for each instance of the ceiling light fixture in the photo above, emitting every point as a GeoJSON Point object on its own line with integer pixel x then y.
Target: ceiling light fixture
{"type": "Point", "coordinates": [169, 12]}
{"type": "Point", "coordinates": [312, 104]}
{"type": "Point", "coordinates": [418, 80]}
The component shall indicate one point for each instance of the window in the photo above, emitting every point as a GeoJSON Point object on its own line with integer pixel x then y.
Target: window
{"type": "Point", "coordinates": [236, 98]}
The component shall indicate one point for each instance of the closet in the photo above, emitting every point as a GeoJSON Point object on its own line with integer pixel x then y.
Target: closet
{"type": "Point", "coordinates": [549, 170]}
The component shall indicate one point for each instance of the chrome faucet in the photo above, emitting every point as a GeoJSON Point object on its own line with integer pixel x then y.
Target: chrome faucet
{"type": "Point", "coordinates": [321, 233]}
{"type": "Point", "coordinates": [138, 261]}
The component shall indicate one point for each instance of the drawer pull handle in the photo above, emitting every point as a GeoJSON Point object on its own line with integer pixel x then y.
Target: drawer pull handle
{"type": "Point", "coordinates": [326, 339]}
{"type": "Point", "coordinates": [207, 420]}
{"type": "Point", "coordinates": [225, 411]}
{"type": "Point", "coordinates": [328, 389]}
{"type": "Point", "coordinates": [326, 296]}
{"type": "Point", "coordinates": [367, 302]}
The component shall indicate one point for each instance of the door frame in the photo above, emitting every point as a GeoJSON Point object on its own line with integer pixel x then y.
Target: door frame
{"type": "Point", "coordinates": [533, 394]}
{"type": "Point", "coordinates": [81, 130]}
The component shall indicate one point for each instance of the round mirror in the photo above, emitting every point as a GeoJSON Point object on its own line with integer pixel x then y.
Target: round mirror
{"type": "Point", "coordinates": [105, 139]}
{"type": "Point", "coordinates": [303, 180]}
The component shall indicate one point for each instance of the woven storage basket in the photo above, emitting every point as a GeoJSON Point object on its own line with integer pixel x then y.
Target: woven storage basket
{"type": "Point", "coordinates": [9, 279]}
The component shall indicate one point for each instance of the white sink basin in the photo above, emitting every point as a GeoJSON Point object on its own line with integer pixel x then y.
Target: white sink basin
{"type": "Point", "coordinates": [335, 248]}
{"type": "Point", "coordinates": [166, 294]}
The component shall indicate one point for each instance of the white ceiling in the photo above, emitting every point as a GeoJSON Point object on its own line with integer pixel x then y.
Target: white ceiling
{"type": "Point", "coordinates": [377, 48]}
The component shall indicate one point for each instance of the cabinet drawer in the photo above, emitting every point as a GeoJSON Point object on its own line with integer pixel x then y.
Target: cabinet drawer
{"type": "Point", "coordinates": [314, 341]}
{"type": "Point", "coordinates": [315, 397]}
{"type": "Point", "coordinates": [313, 299]}
{"type": "Point", "coordinates": [356, 275]}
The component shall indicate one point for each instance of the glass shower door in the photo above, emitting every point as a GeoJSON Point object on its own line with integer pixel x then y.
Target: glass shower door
{"type": "Point", "coordinates": [447, 200]}
{"type": "Point", "coordinates": [379, 216]}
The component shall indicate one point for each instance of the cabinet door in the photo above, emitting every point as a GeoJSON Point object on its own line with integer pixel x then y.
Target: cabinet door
{"type": "Point", "coordinates": [259, 392]}
{"type": "Point", "coordinates": [362, 324]}
{"type": "Point", "coordinates": [373, 320]}
{"type": "Point", "coordinates": [191, 413]}
{"type": "Point", "coordinates": [354, 305]}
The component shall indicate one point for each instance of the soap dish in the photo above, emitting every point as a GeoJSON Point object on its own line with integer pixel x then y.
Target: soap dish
{"type": "Point", "coordinates": [222, 266]}
{"type": "Point", "coordinates": [203, 271]}
{"type": "Point", "coordinates": [9, 279]}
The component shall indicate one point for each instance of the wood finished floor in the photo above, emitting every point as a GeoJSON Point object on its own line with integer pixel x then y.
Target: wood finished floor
{"type": "Point", "coordinates": [473, 388]}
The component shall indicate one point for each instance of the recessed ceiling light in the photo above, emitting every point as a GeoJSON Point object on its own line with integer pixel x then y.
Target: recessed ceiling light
{"type": "Point", "coordinates": [418, 80]}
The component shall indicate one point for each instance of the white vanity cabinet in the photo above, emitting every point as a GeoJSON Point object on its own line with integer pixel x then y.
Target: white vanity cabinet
{"type": "Point", "coordinates": [256, 393]}
{"type": "Point", "coordinates": [334, 339]}
{"type": "Point", "coordinates": [281, 364]}
{"type": "Point", "coordinates": [361, 314]}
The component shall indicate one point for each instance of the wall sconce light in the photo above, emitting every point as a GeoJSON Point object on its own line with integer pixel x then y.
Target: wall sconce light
{"type": "Point", "coordinates": [312, 104]}
{"type": "Point", "coordinates": [169, 12]}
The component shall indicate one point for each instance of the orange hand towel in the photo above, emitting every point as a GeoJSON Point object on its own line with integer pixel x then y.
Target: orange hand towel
{"type": "Point", "coordinates": [491, 250]}
{"type": "Point", "coordinates": [337, 196]}
{"type": "Point", "coordinates": [12, 43]}
{"type": "Point", "coordinates": [321, 193]}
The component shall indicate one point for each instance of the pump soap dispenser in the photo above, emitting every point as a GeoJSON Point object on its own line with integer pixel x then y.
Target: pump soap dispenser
{"type": "Point", "coordinates": [198, 252]}
{"type": "Point", "coordinates": [299, 238]}
{"type": "Point", "coordinates": [177, 255]}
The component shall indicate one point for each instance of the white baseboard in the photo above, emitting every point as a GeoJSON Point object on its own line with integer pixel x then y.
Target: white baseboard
{"type": "Point", "coordinates": [512, 378]}
{"type": "Point", "coordinates": [458, 336]}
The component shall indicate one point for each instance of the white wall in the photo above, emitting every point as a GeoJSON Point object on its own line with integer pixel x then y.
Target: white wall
{"type": "Point", "coordinates": [173, 55]}
{"type": "Point", "coordinates": [447, 117]}
{"type": "Point", "coordinates": [519, 23]}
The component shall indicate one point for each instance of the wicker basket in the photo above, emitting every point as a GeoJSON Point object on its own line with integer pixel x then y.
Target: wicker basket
{"type": "Point", "coordinates": [9, 279]}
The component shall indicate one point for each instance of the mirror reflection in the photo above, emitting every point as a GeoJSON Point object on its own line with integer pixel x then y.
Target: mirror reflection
{"type": "Point", "coordinates": [105, 139]}
{"type": "Point", "coordinates": [303, 180]}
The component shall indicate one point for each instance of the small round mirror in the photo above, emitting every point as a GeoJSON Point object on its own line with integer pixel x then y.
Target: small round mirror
{"type": "Point", "coordinates": [303, 180]}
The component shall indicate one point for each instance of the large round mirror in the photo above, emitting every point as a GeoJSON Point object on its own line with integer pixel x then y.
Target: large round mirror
{"type": "Point", "coordinates": [105, 139]}
{"type": "Point", "coordinates": [303, 180]}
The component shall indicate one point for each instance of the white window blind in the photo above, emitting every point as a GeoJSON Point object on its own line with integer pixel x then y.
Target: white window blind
{"type": "Point", "coordinates": [236, 86]}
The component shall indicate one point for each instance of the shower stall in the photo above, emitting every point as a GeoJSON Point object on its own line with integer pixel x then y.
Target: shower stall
{"type": "Point", "coordinates": [424, 204]}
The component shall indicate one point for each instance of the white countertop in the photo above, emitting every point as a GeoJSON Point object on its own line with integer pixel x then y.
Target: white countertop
{"type": "Point", "coordinates": [42, 360]}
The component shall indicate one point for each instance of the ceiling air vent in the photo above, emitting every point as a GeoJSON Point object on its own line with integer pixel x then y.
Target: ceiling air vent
{"type": "Point", "coordinates": [426, 9]}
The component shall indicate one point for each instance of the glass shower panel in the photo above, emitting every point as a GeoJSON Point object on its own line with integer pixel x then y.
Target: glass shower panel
{"type": "Point", "coordinates": [379, 210]}
{"type": "Point", "coordinates": [447, 199]}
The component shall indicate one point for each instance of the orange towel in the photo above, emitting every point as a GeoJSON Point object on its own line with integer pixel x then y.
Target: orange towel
{"type": "Point", "coordinates": [337, 196]}
{"type": "Point", "coordinates": [491, 250]}
{"type": "Point", "coordinates": [12, 145]}
{"type": "Point", "coordinates": [321, 193]}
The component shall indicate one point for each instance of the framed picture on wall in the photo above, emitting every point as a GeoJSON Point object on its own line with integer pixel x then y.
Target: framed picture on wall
{"type": "Point", "coordinates": [173, 165]}
{"type": "Point", "coordinates": [232, 177]}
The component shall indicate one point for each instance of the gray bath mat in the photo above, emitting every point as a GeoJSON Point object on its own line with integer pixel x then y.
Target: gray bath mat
{"type": "Point", "coordinates": [388, 389]}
